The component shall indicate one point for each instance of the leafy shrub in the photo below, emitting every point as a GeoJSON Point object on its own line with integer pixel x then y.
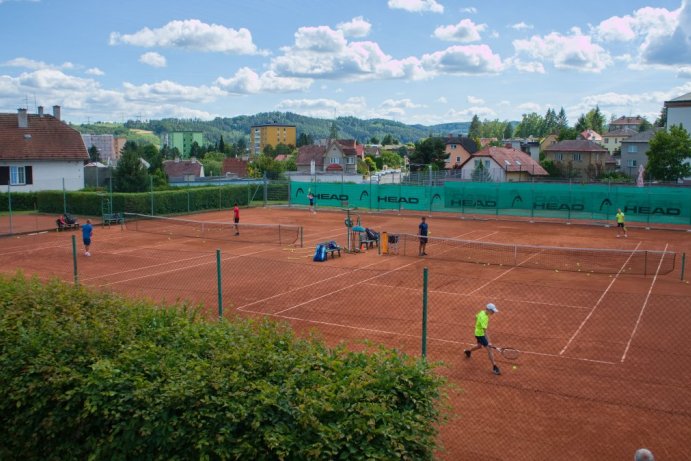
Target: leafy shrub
{"type": "Point", "coordinates": [21, 201]}
{"type": "Point", "coordinates": [88, 375]}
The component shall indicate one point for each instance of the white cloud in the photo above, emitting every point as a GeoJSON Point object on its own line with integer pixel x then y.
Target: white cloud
{"type": "Point", "coordinates": [321, 52]}
{"type": "Point", "coordinates": [442, 99]}
{"type": "Point", "coordinates": [533, 67]}
{"type": "Point", "coordinates": [643, 22]}
{"type": "Point", "coordinates": [191, 34]}
{"type": "Point", "coordinates": [246, 81]}
{"type": "Point", "coordinates": [325, 108]}
{"type": "Point", "coordinates": [35, 65]}
{"type": "Point", "coordinates": [399, 103]}
{"type": "Point", "coordinates": [153, 59]}
{"type": "Point", "coordinates": [475, 101]}
{"type": "Point", "coordinates": [467, 114]}
{"type": "Point", "coordinates": [465, 60]}
{"type": "Point", "coordinates": [465, 31]}
{"type": "Point", "coordinates": [416, 6]}
{"type": "Point", "coordinates": [521, 26]}
{"type": "Point", "coordinates": [470, 9]}
{"type": "Point", "coordinates": [684, 72]}
{"type": "Point", "coordinates": [670, 48]}
{"type": "Point", "coordinates": [575, 51]}
{"type": "Point", "coordinates": [356, 27]}
{"type": "Point", "coordinates": [167, 91]}
{"type": "Point", "coordinates": [529, 107]}
{"type": "Point", "coordinates": [95, 71]}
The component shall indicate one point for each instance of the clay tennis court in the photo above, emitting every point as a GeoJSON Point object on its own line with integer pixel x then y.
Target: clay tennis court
{"type": "Point", "coordinates": [605, 364]}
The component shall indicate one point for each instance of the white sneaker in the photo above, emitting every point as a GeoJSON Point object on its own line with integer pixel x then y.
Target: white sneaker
{"type": "Point", "coordinates": [87, 254]}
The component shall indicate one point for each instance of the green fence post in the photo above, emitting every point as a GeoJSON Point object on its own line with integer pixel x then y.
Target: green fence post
{"type": "Point", "coordinates": [219, 284]}
{"type": "Point", "coordinates": [424, 312]}
{"type": "Point", "coordinates": [9, 205]}
{"type": "Point", "coordinates": [74, 260]}
{"type": "Point", "coordinates": [151, 187]}
{"type": "Point", "coordinates": [64, 198]}
{"type": "Point", "coordinates": [683, 265]}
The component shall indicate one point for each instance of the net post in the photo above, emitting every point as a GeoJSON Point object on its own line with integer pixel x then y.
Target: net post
{"type": "Point", "coordinates": [219, 284]}
{"type": "Point", "coordinates": [645, 264]}
{"type": "Point", "coordinates": [683, 264]}
{"type": "Point", "coordinates": [74, 260]}
{"type": "Point", "coordinates": [424, 311]}
{"type": "Point", "coordinates": [301, 241]}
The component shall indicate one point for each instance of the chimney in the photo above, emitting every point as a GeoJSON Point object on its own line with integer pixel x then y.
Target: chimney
{"type": "Point", "coordinates": [56, 112]}
{"type": "Point", "coordinates": [23, 118]}
{"type": "Point", "coordinates": [40, 111]}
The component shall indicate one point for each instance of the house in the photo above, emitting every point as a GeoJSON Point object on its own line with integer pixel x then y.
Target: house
{"type": "Point", "coordinates": [458, 149]}
{"type": "Point", "coordinates": [39, 152]}
{"type": "Point", "coordinates": [183, 170]}
{"type": "Point", "coordinates": [634, 152]}
{"type": "Point", "coordinates": [271, 134]}
{"type": "Point", "coordinates": [580, 157]}
{"type": "Point", "coordinates": [631, 123]}
{"type": "Point", "coordinates": [105, 144]}
{"type": "Point", "coordinates": [182, 141]}
{"type": "Point", "coordinates": [501, 164]}
{"type": "Point", "coordinates": [612, 139]}
{"type": "Point", "coordinates": [679, 112]}
{"type": "Point", "coordinates": [372, 150]}
{"type": "Point", "coordinates": [235, 167]}
{"type": "Point", "coordinates": [548, 141]}
{"type": "Point", "coordinates": [590, 135]}
{"type": "Point", "coordinates": [338, 156]}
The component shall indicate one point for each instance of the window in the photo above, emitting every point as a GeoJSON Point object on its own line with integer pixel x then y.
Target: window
{"type": "Point", "coordinates": [350, 160]}
{"type": "Point", "coordinates": [477, 163]}
{"type": "Point", "coordinates": [606, 140]}
{"type": "Point", "coordinates": [15, 175]}
{"type": "Point", "coordinates": [558, 156]}
{"type": "Point", "coordinates": [577, 157]}
{"type": "Point", "coordinates": [487, 164]}
{"type": "Point", "coordinates": [335, 160]}
{"type": "Point", "coordinates": [458, 159]}
{"type": "Point", "coordinates": [453, 146]}
{"type": "Point", "coordinates": [632, 149]}
{"type": "Point", "coordinates": [631, 163]}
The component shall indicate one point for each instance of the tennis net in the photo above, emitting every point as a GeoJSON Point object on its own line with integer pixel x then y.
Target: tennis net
{"type": "Point", "coordinates": [280, 234]}
{"type": "Point", "coordinates": [595, 260]}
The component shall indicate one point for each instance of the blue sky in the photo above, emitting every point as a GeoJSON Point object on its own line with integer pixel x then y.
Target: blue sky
{"type": "Point", "coordinates": [414, 61]}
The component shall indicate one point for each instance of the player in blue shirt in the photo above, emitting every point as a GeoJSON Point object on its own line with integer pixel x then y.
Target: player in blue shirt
{"type": "Point", "coordinates": [422, 233]}
{"type": "Point", "coordinates": [87, 232]}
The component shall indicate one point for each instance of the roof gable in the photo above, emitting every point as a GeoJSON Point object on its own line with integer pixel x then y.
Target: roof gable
{"type": "Point", "coordinates": [182, 168]}
{"type": "Point", "coordinates": [45, 138]}
{"type": "Point", "coordinates": [576, 145]}
{"type": "Point", "coordinates": [510, 160]}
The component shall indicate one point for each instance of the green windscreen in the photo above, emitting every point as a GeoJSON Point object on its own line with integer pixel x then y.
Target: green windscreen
{"type": "Point", "coordinates": [670, 205]}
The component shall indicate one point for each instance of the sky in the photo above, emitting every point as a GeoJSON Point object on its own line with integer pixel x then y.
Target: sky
{"type": "Point", "coordinates": [413, 61]}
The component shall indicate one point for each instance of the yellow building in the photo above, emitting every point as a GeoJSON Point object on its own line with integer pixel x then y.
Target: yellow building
{"type": "Point", "coordinates": [271, 134]}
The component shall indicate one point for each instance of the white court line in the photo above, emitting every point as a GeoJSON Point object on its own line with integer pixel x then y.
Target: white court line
{"type": "Point", "coordinates": [580, 327]}
{"type": "Point", "coordinates": [454, 293]}
{"type": "Point", "coordinates": [362, 281]}
{"type": "Point", "coordinates": [408, 335]}
{"type": "Point", "coordinates": [645, 303]}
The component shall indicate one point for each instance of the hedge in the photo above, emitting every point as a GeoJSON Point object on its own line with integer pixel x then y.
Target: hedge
{"type": "Point", "coordinates": [89, 375]}
{"type": "Point", "coordinates": [21, 201]}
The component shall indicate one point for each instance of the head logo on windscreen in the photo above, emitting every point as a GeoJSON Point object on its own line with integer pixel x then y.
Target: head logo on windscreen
{"type": "Point", "coordinates": [299, 192]}
{"type": "Point", "coordinates": [606, 202]}
{"type": "Point", "coordinates": [364, 194]}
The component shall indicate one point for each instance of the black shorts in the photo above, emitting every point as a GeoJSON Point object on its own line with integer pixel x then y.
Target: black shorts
{"type": "Point", "coordinates": [236, 220]}
{"type": "Point", "coordinates": [423, 240]}
{"type": "Point", "coordinates": [620, 224]}
{"type": "Point", "coordinates": [482, 341]}
{"type": "Point", "coordinates": [87, 241]}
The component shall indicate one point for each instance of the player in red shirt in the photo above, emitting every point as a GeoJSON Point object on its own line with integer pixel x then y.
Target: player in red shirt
{"type": "Point", "coordinates": [236, 218]}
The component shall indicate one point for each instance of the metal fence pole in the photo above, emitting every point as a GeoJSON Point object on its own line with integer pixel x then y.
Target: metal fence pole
{"type": "Point", "coordinates": [64, 198]}
{"type": "Point", "coordinates": [74, 260]}
{"type": "Point", "coordinates": [683, 265]}
{"type": "Point", "coordinates": [9, 205]}
{"type": "Point", "coordinates": [424, 311]}
{"type": "Point", "coordinates": [151, 187]}
{"type": "Point", "coordinates": [219, 284]}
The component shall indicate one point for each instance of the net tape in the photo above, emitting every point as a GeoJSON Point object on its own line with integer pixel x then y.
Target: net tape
{"type": "Point", "coordinates": [281, 234]}
{"type": "Point", "coordinates": [595, 260]}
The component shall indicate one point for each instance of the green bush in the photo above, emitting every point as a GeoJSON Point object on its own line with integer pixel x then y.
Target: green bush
{"type": "Point", "coordinates": [21, 201]}
{"type": "Point", "coordinates": [88, 375]}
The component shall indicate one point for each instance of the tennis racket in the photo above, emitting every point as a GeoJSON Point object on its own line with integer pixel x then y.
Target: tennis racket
{"type": "Point", "coordinates": [507, 352]}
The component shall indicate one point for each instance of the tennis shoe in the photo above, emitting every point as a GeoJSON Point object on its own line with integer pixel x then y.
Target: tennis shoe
{"type": "Point", "coordinates": [87, 254]}
{"type": "Point", "coordinates": [467, 354]}
{"type": "Point", "coordinates": [496, 370]}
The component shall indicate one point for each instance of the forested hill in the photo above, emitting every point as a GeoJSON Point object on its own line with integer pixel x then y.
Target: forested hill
{"type": "Point", "coordinates": [232, 129]}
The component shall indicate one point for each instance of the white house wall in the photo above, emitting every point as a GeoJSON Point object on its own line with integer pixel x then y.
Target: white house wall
{"type": "Point", "coordinates": [679, 116]}
{"type": "Point", "coordinates": [48, 175]}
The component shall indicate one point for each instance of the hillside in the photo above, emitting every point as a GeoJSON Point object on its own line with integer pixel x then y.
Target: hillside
{"type": "Point", "coordinates": [234, 128]}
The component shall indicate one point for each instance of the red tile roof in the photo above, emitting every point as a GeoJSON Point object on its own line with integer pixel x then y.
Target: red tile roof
{"type": "Point", "coordinates": [311, 152]}
{"type": "Point", "coordinates": [45, 138]}
{"type": "Point", "coordinates": [511, 160]}
{"type": "Point", "coordinates": [182, 168]}
{"type": "Point", "coordinates": [576, 145]}
{"type": "Point", "coordinates": [235, 165]}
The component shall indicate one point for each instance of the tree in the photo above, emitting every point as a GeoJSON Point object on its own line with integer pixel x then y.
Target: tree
{"type": "Point", "coordinates": [475, 127]}
{"type": "Point", "coordinates": [374, 140]}
{"type": "Point", "coordinates": [195, 150]}
{"type": "Point", "coordinates": [333, 131]}
{"type": "Point", "coordinates": [221, 145]}
{"type": "Point", "coordinates": [305, 140]}
{"type": "Point", "coordinates": [645, 125]}
{"type": "Point", "coordinates": [94, 154]}
{"type": "Point", "coordinates": [388, 140]}
{"type": "Point", "coordinates": [531, 125]}
{"type": "Point", "coordinates": [391, 159]}
{"type": "Point", "coordinates": [667, 154]}
{"type": "Point", "coordinates": [562, 121]}
{"type": "Point", "coordinates": [480, 173]}
{"type": "Point", "coordinates": [661, 120]}
{"type": "Point", "coordinates": [130, 174]}
{"type": "Point", "coordinates": [550, 123]}
{"type": "Point", "coordinates": [508, 131]}
{"type": "Point", "coordinates": [264, 164]}
{"type": "Point", "coordinates": [581, 124]}
{"type": "Point", "coordinates": [429, 151]}
{"type": "Point", "coordinates": [213, 163]}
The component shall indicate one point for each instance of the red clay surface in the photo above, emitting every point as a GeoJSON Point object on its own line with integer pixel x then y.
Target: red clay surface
{"type": "Point", "coordinates": [606, 359]}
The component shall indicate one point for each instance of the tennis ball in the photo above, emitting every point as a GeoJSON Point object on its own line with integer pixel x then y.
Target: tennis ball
{"type": "Point", "coordinates": [556, 270]}
{"type": "Point", "coordinates": [514, 367]}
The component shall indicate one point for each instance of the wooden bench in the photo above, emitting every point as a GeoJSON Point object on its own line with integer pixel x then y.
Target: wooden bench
{"type": "Point", "coordinates": [113, 218]}
{"type": "Point", "coordinates": [330, 248]}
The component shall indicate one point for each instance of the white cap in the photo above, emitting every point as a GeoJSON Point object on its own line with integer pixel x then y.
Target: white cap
{"type": "Point", "coordinates": [492, 307]}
